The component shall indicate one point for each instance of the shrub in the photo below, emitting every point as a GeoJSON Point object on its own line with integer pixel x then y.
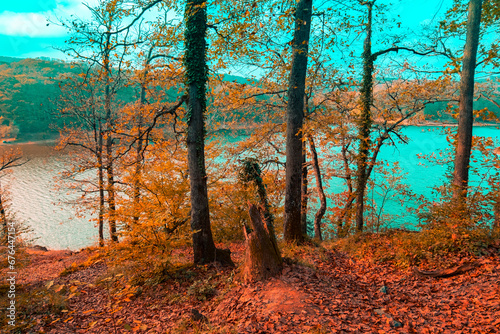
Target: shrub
{"type": "Point", "coordinates": [436, 246]}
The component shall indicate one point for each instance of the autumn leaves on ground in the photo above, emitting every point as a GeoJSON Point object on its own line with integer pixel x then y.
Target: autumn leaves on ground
{"type": "Point", "coordinates": [321, 290]}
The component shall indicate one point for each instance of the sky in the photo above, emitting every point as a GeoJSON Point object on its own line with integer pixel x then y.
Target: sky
{"type": "Point", "coordinates": [24, 31]}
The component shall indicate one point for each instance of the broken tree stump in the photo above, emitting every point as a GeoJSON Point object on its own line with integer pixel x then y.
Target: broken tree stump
{"type": "Point", "coordinates": [262, 256]}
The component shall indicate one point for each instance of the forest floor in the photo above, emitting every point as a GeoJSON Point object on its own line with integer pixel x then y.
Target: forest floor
{"type": "Point", "coordinates": [321, 290]}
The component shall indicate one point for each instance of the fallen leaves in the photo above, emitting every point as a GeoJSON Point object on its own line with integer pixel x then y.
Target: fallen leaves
{"type": "Point", "coordinates": [333, 294]}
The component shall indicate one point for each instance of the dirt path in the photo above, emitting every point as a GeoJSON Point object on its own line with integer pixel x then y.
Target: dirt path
{"type": "Point", "coordinates": [46, 265]}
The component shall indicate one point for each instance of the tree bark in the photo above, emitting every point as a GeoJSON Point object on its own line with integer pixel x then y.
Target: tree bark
{"type": "Point", "coordinates": [111, 189]}
{"type": "Point", "coordinates": [100, 175]}
{"type": "Point", "coordinates": [343, 216]}
{"type": "Point", "coordinates": [251, 172]}
{"type": "Point", "coordinates": [203, 244]}
{"type": "Point", "coordinates": [295, 118]}
{"type": "Point", "coordinates": [319, 188]}
{"type": "Point", "coordinates": [465, 109]}
{"type": "Point", "coordinates": [3, 217]}
{"type": "Point", "coordinates": [496, 210]}
{"type": "Point", "coordinates": [262, 258]}
{"type": "Point", "coordinates": [364, 121]}
{"type": "Point", "coordinates": [110, 186]}
{"type": "Point", "coordinates": [304, 192]}
{"type": "Point", "coordinates": [137, 174]}
{"type": "Point", "coordinates": [138, 150]}
{"type": "Point", "coordinates": [197, 75]}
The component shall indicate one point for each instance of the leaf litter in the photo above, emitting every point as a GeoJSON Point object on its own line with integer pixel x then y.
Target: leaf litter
{"type": "Point", "coordinates": [331, 293]}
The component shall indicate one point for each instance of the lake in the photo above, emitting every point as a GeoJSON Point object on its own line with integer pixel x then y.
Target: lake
{"type": "Point", "coordinates": [39, 202]}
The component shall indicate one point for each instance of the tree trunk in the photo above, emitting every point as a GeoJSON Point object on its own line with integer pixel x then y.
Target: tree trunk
{"type": "Point", "coordinates": [203, 244]}
{"type": "Point", "coordinates": [100, 172]}
{"type": "Point", "coordinates": [343, 218]}
{"type": "Point", "coordinates": [496, 209]}
{"type": "Point", "coordinates": [251, 172]}
{"type": "Point", "coordinates": [197, 75]}
{"type": "Point", "coordinates": [364, 121]}
{"type": "Point", "coordinates": [295, 117]}
{"type": "Point", "coordinates": [137, 177]}
{"type": "Point", "coordinates": [138, 152]}
{"type": "Point", "coordinates": [110, 186]}
{"type": "Point", "coordinates": [111, 189]}
{"type": "Point", "coordinates": [3, 217]}
{"type": "Point", "coordinates": [465, 117]}
{"type": "Point", "coordinates": [262, 259]}
{"type": "Point", "coordinates": [319, 188]}
{"type": "Point", "coordinates": [305, 195]}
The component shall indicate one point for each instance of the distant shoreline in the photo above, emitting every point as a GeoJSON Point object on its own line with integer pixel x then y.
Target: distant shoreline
{"type": "Point", "coordinates": [53, 139]}
{"type": "Point", "coordinates": [447, 124]}
{"type": "Point", "coordinates": [30, 139]}
{"type": "Point", "coordinates": [9, 141]}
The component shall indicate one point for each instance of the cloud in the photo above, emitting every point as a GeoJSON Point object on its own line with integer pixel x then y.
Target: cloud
{"type": "Point", "coordinates": [28, 25]}
{"type": "Point", "coordinates": [34, 24]}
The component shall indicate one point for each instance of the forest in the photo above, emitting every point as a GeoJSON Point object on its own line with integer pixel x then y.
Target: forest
{"type": "Point", "coordinates": [226, 152]}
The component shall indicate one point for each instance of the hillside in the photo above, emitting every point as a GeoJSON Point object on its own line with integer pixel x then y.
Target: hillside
{"type": "Point", "coordinates": [30, 94]}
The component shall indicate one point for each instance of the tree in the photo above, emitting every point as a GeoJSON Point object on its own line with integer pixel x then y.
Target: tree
{"type": "Point", "coordinates": [102, 46]}
{"type": "Point", "coordinates": [365, 163]}
{"type": "Point", "coordinates": [110, 15]}
{"type": "Point", "coordinates": [196, 75]}
{"type": "Point", "coordinates": [319, 188]}
{"type": "Point", "coordinates": [365, 119]}
{"type": "Point", "coordinates": [8, 159]}
{"type": "Point", "coordinates": [82, 105]}
{"type": "Point", "coordinates": [195, 60]}
{"type": "Point", "coordinates": [304, 191]}
{"type": "Point", "coordinates": [295, 119]}
{"type": "Point", "coordinates": [86, 35]}
{"type": "Point", "coordinates": [466, 118]}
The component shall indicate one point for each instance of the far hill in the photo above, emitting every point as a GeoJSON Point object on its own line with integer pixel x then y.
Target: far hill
{"type": "Point", "coordinates": [29, 94]}
{"type": "Point", "coordinates": [8, 60]}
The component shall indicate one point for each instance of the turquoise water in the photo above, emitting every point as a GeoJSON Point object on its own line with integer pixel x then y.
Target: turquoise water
{"type": "Point", "coordinates": [38, 201]}
{"type": "Point", "coordinates": [421, 175]}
